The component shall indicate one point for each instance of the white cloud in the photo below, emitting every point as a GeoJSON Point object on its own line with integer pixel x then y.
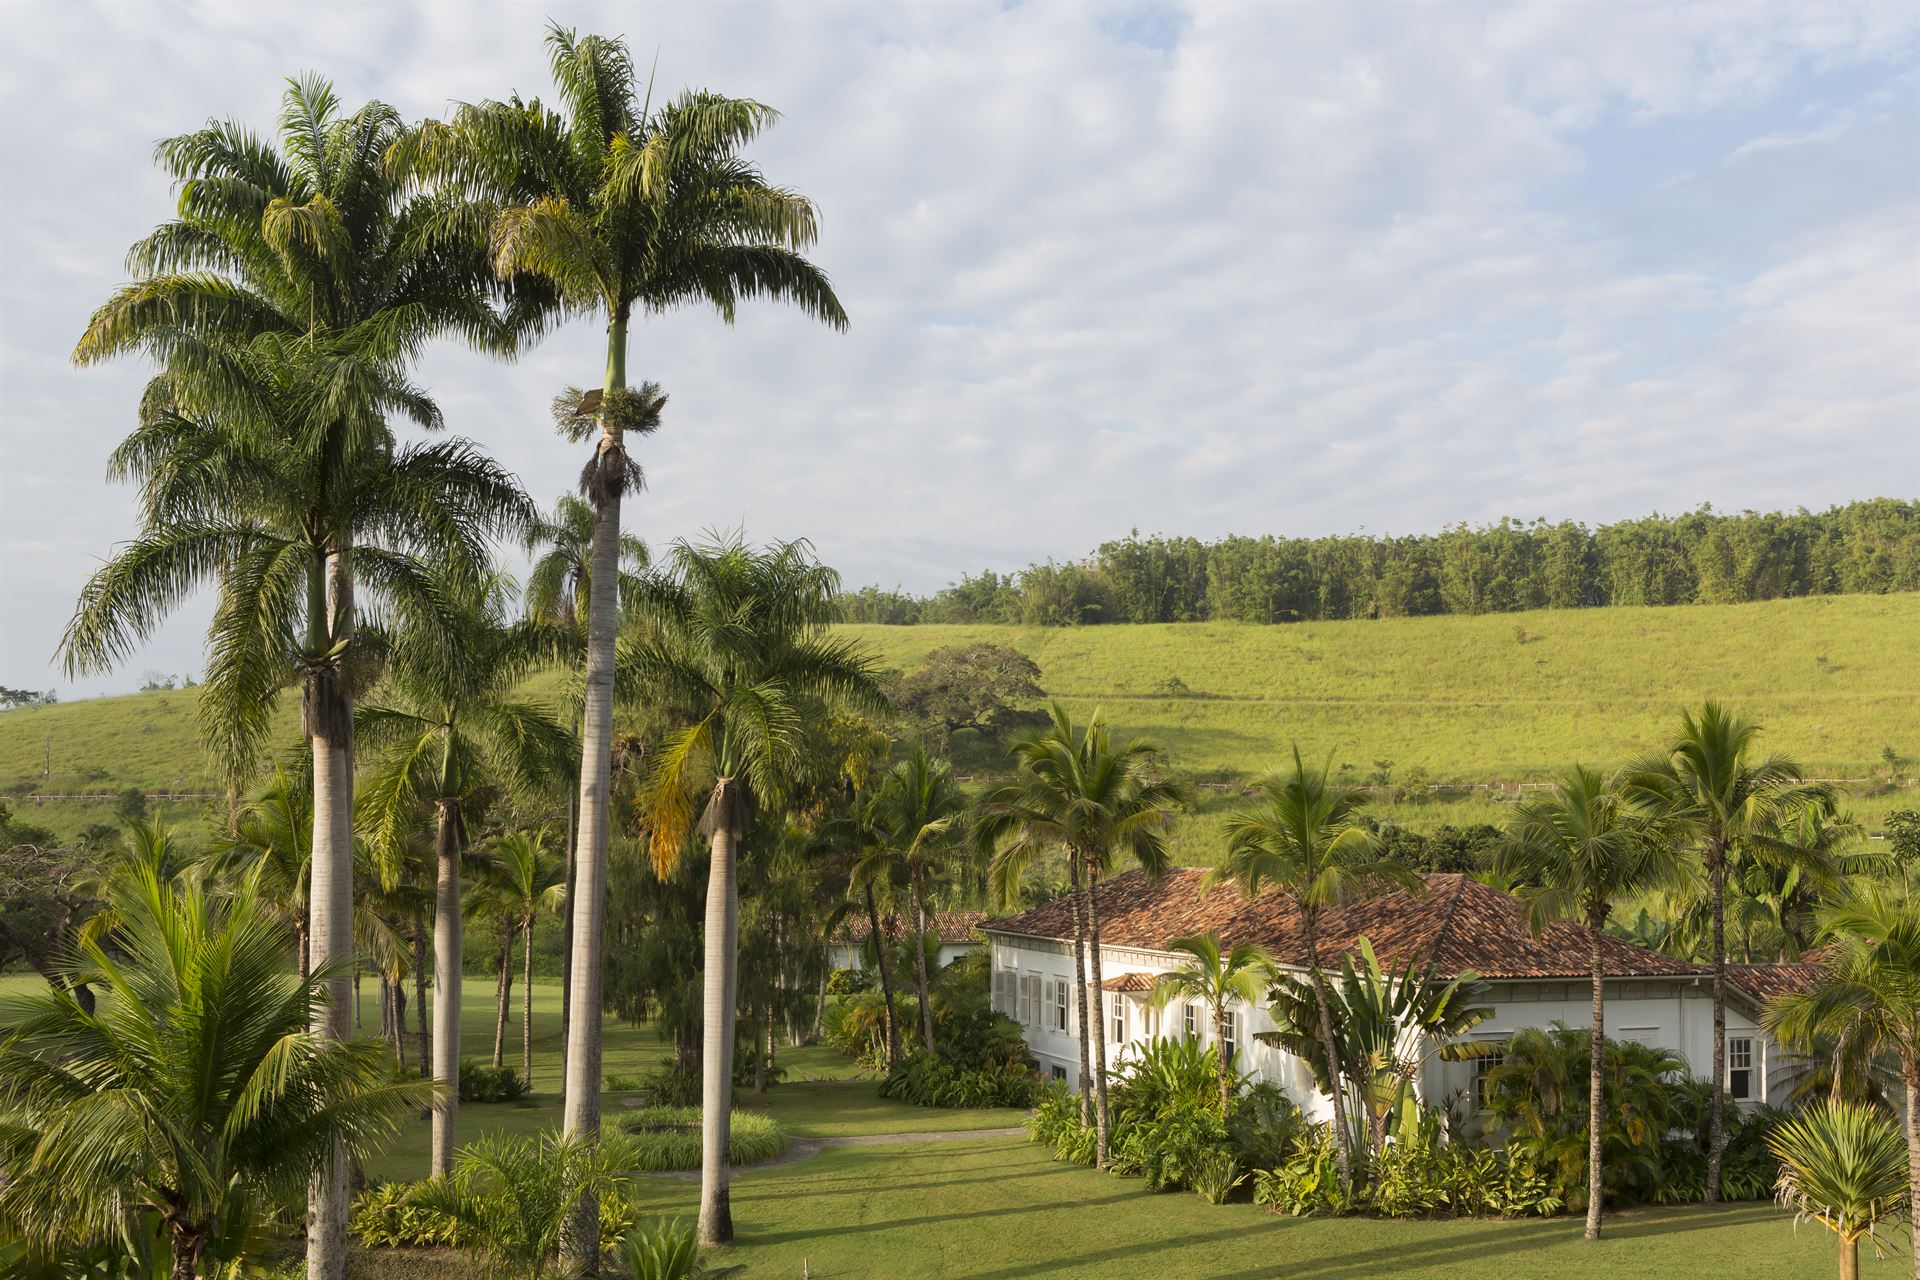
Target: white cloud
{"type": "Point", "coordinates": [1197, 269]}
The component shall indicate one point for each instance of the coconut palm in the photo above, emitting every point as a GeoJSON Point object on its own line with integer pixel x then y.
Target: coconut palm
{"type": "Point", "coordinates": [736, 641]}
{"type": "Point", "coordinates": [1710, 788]}
{"type": "Point", "coordinates": [917, 817]}
{"type": "Point", "coordinates": [1840, 1166]}
{"type": "Point", "coordinates": [1866, 1003]}
{"type": "Point", "coordinates": [523, 881]}
{"type": "Point", "coordinates": [618, 206]}
{"type": "Point", "coordinates": [1305, 840]}
{"type": "Point", "coordinates": [1571, 856]}
{"type": "Point", "coordinates": [1099, 804]}
{"type": "Point", "coordinates": [289, 294]}
{"type": "Point", "coordinates": [1214, 978]}
{"type": "Point", "coordinates": [447, 722]}
{"type": "Point", "coordinates": [199, 1094]}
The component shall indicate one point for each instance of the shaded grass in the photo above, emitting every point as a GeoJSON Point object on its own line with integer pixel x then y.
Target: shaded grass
{"type": "Point", "coordinates": [999, 1209]}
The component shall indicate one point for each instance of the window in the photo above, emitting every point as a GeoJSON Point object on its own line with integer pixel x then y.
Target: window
{"type": "Point", "coordinates": [1058, 1072]}
{"type": "Point", "coordinates": [1119, 1021]}
{"type": "Point", "coordinates": [1023, 1006]}
{"type": "Point", "coordinates": [1003, 991]}
{"type": "Point", "coordinates": [1057, 1004]}
{"type": "Point", "coordinates": [1641, 1035]}
{"type": "Point", "coordinates": [1740, 1068]}
{"type": "Point", "coordinates": [1190, 1020]}
{"type": "Point", "coordinates": [1230, 1031]}
{"type": "Point", "coordinates": [1483, 1067]}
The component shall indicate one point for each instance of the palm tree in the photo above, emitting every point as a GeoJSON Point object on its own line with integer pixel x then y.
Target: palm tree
{"type": "Point", "coordinates": [618, 206]}
{"type": "Point", "coordinates": [1214, 978]}
{"type": "Point", "coordinates": [1709, 786]}
{"type": "Point", "coordinates": [559, 591]}
{"type": "Point", "coordinates": [198, 1095]}
{"type": "Point", "coordinates": [1572, 856]}
{"type": "Point", "coordinates": [917, 817]}
{"type": "Point", "coordinates": [272, 846]}
{"type": "Point", "coordinates": [1305, 839]}
{"type": "Point", "coordinates": [1866, 1003]}
{"type": "Point", "coordinates": [1840, 1167]}
{"type": "Point", "coordinates": [449, 722]}
{"type": "Point", "coordinates": [523, 882]}
{"type": "Point", "coordinates": [736, 642]}
{"type": "Point", "coordinates": [1100, 804]}
{"type": "Point", "coordinates": [1386, 1025]}
{"type": "Point", "coordinates": [288, 296]}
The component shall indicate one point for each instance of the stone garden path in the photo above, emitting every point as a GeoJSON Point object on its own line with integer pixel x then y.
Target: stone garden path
{"type": "Point", "coordinates": [802, 1148]}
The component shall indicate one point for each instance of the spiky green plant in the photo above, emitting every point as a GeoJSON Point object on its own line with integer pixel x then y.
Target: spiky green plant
{"type": "Point", "coordinates": [1841, 1165]}
{"type": "Point", "coordinates": [1216, 976]}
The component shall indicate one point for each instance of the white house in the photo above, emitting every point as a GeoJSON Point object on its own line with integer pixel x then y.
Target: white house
{"type": "Point", "coordinates": [1457, 926]}
{"type": "Point", "coordinates": [959, 933]}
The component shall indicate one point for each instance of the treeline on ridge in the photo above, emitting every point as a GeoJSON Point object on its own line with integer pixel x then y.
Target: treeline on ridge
{"type": "Point", "coordinates": [1701, 557]}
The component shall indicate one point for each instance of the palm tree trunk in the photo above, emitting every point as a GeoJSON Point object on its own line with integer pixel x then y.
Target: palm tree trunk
{"type": "Point", "coordinates": [306, 962]}
{"type": "Point", "coordinates": [448, 940]}
{"type": "Point", "coordinates": [1596, 1106]}
{"type": "Point", "coordinates": [420, 997]}
{"type": "Point", "coordinates": [1220, 1051]}
{"type": "Point", "coordinates": [1080, 993]}
{"type": "Point", "coordinates": [1343, 1140]}
{"type": "Point", "coordinates": [186, 1245]}
{"type": "Point", "coordinates": [588, 906]}
{"type": "Point", "coordinates": [566, 947]}
{"type": "Point", "coordinates": [503, 993]}
{"type": "Point", "coordinates": [819, 1009]}
{"type": "Point", "coordinates": [1849, 1258]}
{"type": "Point", "coordinates": [526, 1006]}
{"type": "Point", "coordinates": [920, 960]}
{"type": "Point", "coordinates": [399, 1023]}
{"type": "Point", "coordinates": [330, 894]}
{"type": "Point", "coordinates": [886, 980]}
{"type": "Point", "coordinates": [1910, 1072]}
{"type": "Point", "coordinates": [1099, 1023]}
{"type": "Point", "coordinates": [1717, 1123]}
{"type": "Point", "coordinates": [716, 1085]}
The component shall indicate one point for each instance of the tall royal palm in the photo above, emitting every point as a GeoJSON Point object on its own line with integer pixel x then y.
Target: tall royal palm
{"type": "Point", "coordinates": [1713, 790]}
{"type": "Point", "coordinates": [559, 590]}
{"type": "Point", "coordinates": [313, 261]}
{"type": "Point", "coordinates": [1304, 839]}
{"type": "Point", "coordinates": [1571, 856]}
{"type": "Point", "coordinates": [917, 819]}
{"type": "Point", "coordinates": [735, 642]}
{"type": "Point", "coordinates": [447, 722]}
{"type": "Point", "coordinates": [619, 207]}
{"type": "Point", "coordinates": [1867, 1003]}
{"type": "Point", "coordinates": [1100, 804]}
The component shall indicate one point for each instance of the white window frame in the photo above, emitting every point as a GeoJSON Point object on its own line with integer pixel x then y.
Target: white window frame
{"type": "Point", "coordinates": [1190, 1020]}
{"type": "Point", "coordinates": [1230, 1026]}
{"type": "Point", "coordinates": [1117, 1019]}
{"type": "Point", "coordinates": [1750, 1067]}
{"type": "Point", "coordinates": [1057, 1003]}
{"type": "Point", "coordinates": [1482, 1066]}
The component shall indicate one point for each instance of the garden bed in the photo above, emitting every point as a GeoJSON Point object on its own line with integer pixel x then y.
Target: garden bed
{"type": "Point", "coordinates": [668, 1138]}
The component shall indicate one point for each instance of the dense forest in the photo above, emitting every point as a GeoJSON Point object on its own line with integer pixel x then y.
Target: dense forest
{"type": "Point", "coordinates": [1702, 557]}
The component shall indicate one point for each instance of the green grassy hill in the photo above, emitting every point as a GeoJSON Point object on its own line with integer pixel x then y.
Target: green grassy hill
{"type": "Point", "coordinates": [1506, 698]}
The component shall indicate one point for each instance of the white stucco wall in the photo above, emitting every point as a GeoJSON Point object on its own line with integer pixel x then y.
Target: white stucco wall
{"type": "Point", "coordinates": [1674, 1014]}
{"type": "Point", "coordinates": [846, 955]}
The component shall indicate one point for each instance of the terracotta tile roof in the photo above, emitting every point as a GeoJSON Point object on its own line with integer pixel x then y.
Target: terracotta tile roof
{"type": "Point", "coordinates": [952, 926]}
{"type": "Point", "coordinates": [1130, 982]}
{"type": "Point", "coordinates": [1459, 924]}
{"type": "Point", "coordinates": [1762, 982]}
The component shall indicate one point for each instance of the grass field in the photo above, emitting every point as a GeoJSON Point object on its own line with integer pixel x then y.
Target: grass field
{"type": "Point", "coordinates": [1507, 698]}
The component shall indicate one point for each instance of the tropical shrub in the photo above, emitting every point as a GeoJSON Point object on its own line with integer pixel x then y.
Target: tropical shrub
{"type": "Point", "coordinates": [410, 1215]}
{"type": "Point", "coordinates": [666, 1250]}
{"type": "Point", "coordinates": [1308, 1181]}
{"type": "Point", "coordinates": [1265, 1126]}
{"type": "Point", "coordinates": [1538, 1096]}
{"type": "Point", "coordinates": [482, 1083]}
{"type": "Point", "coordinates": [936, 1080]}
{"type": "Point", "coordinates": [1417, 1177]}
{"type": "Point", "coordinates": [1171, 1150]}
{"type": "Point", "coordinates": [1056, 1125]}
{"type": "Point", "coordinates": [1167, 1074]}
{"type": "Point", "coordinates": [667, 1138]}
{"type": "Point", "coordinates": [845, 982]}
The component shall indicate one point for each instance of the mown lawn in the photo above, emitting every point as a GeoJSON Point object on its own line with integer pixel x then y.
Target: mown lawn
{"type": "Point", "coordinates": [1000, 1209]}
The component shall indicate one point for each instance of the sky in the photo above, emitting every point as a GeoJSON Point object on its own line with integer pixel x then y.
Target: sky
{"type": "Point", "coordinates": [1184, 268]}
